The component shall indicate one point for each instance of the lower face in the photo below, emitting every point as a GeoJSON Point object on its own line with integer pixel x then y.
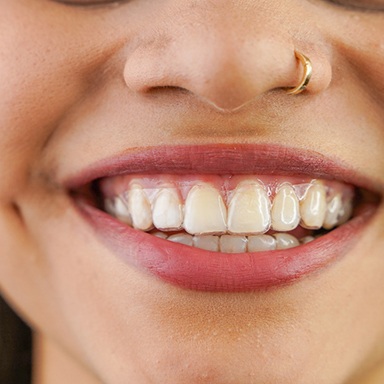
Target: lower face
{"type": "Point", "coordinates": [156, 237]}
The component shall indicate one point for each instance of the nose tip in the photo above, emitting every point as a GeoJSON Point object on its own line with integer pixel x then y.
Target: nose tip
{"type": "Point", "coordinates": [225, 67]}
{"type": "Point", "coordinates": [230, 79]}
{"type": "Point", "coordinates": [224, 75]}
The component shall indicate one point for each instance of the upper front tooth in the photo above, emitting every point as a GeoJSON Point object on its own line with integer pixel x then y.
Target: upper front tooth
{"type": "Point", "coordinates": [205, 211]}
{"type": "Point", "coordinates": [314, 206]}
{"type": "Point", "coordinates": [140, 208]}
{"type": "Point", "coordinates": [285, 209]}
{"type": "Point", "coordinates": [249, 210]}
{"type": "Point", "coordinates": [167, 212]}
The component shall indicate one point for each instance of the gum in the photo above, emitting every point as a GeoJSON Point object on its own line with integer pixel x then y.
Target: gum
{"type": "Point", "coordinates": [225, 184]}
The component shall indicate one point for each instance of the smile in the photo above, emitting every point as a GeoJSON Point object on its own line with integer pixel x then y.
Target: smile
{"type": "Point", "coordinates": [233, 214]}
{"type": "Point", "coordinates": [224, 218]}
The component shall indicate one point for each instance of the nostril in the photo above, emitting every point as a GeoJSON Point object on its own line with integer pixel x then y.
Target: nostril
{"type": "Point", "coordinates": [166, 89]}
{"type": "Point", "coordinates": [214, 67]}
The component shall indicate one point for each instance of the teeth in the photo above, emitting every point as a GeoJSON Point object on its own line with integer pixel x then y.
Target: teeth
{"type": "Point", "coordinates": [249, 210]}
{"type": "Point", "coordinates": [182, 238]}
{"type": "Point", "coordinates": [334, 209]}
{"type": "Point", "coordinates": [285, 241]}
{"type": "Point", "coordinates": [285, 209]}
{"type": "Point", "coordinates": [233, 244]}
{"type": "Point", "coordinates": [167, 212]}
{"type": "Point", "coordinates": [140, 208]}
{"type": "Point", "coordinates": [237, 244]}
{"type": "Point", "coordinates": [122, 211]}
{"type": "Point", "coordinates": [159, 234]}
{"type": "Point", "coordinates": [203, 215]}
{"type": "Point", "coordinates": [109, 205]}
{"type": "Point", "coordinates": [207, 242]}
{"type": "Point", "coordinates": [205, 212]}
{"type": "Point", "coordinates": [345, 213]}
{"type": "Point", "coordinates": [314, 207]}
{"type": "Point", "coordinates": [306, 239]}
{"type": "Point", "coordinates": [261, 243]}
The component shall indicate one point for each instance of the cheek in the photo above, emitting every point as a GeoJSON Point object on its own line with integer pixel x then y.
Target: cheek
{"type": "Point", "coordinates": [356, 96]}
{"type": "Point", "coordinates": [22, 270]}
{"type": "Point", "coordinates": [360, 42]}
{"type": "Point", "coordinates": [49, 64]}
{"type": "Point", "coordinates": [47, 71]}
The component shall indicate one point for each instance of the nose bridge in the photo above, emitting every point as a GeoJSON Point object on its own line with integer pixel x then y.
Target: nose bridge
{"type": "Point", "coordinates": [225, 53]}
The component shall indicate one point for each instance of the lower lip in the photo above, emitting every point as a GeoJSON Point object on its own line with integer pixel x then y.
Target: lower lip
{"type": "Point", "coordinates": [200, 270]}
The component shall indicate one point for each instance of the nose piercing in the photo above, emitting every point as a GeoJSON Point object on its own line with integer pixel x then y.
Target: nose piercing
{"type": "Point", "coordinates": [307, 65]}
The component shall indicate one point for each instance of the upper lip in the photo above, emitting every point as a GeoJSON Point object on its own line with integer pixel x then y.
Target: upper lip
{"type": "Point", "coordinates": [223, 159]}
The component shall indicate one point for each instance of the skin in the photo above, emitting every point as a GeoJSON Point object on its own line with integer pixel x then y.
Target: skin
{"type": "Point", "coordinates": [80, 84]}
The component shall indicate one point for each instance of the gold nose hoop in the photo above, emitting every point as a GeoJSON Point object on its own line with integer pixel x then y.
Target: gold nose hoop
{"type": "Point", "coordinates": [307, 66]}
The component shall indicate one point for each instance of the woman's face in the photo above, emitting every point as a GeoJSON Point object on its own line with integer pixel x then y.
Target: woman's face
{"type": "Point", "coordinates": [191, 96]}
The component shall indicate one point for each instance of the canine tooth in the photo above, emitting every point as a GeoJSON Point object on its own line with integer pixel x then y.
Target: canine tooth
{"type": "Point", "coordinates": [207, 242]}
{"type": "Point", "coordinates": [306, 239]}
{"type": "Point", "coordinates": [334, 209]}
{"type": "Point", "coordinates": [261, 243]}
{"type": "Point", "coordinates": [140, 208]}
{"type": "Point", "coordinates": [285, 241]}
{"type": "Point", "coordinates": [285, 209]}
{"type": "Point", "coordinates": [233, 244]}
{"type": "Point", "coordinates": [249, 210]}
{"type": "Point", "coordinates": [314, 207]}
{"type": "Point", "coordinates": [167, 213]}
{"type": "Point", "coordinates": [205, 211]}
{"type": "Point", "coordinates": [182, 238]}
{"type": "Point", "coordinates": [121, 210]}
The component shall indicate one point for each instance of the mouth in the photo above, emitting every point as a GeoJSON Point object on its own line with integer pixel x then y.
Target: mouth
{"type": "Point", "coordinates": [225, 218]}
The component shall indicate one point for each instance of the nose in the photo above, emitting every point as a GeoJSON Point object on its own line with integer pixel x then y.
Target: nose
{"type": "Point", "coordinates": [224, 54]}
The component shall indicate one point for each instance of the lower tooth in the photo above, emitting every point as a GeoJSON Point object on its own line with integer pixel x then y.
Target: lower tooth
{"type": "Point", "coordinates": [261, 243]}
{"type": "Point", "coordinates": [285, 241]}
{"type": "Point", "coordinates": [206, 242]}
{"type": "Point", "coordinates": [306, 239]}
{"type": "Point", "coordinates": [233, 244]}
{"type": "Point", "coordinates": [182, 238]}
{"type": "Point", "coordinates": [159, 234]}
{"type": "Point", "coordinates": [236, 244]}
